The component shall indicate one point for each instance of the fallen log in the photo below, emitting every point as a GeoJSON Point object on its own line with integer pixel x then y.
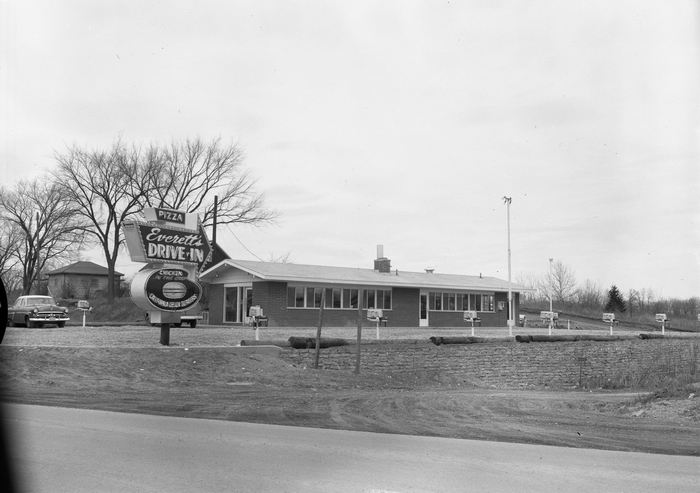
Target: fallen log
{"type": "Point", "coordinates": [280, 343]}
{"type": "Point", "coordinates": [571, 338]}
{"type": "Point", "coordinates": [437, 340]}
{"type": "Point", "coordinates": [310, 342]}
{"type": "Point", "coordinates": [651, 336]}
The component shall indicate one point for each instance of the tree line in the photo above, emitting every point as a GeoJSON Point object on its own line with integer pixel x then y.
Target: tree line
{"type": "Point", "coordinates": [560, 284]}
{"type": "Point", "coordinates": [87, 196]}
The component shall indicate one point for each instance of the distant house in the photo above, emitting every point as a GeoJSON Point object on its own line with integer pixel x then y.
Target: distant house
{"type": "Point", "coordinates": [80, 280]}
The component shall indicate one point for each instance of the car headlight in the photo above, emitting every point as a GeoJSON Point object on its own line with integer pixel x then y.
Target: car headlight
{"type": "Point", "coordinates": [35, 311]}
{"type": "Point", "coordinates": [65, 310]}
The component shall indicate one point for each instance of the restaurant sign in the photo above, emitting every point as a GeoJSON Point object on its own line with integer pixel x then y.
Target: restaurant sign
{"type": "Point", "coordinates": [155, 243]}
{"type": "Point", "coordinates": [166, 289]}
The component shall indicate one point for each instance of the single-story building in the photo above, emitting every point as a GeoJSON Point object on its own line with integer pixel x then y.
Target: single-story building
{"type": "Point", "coordinates": [80, 280]}
{"type": "Point", "coordinates": [290, 295]}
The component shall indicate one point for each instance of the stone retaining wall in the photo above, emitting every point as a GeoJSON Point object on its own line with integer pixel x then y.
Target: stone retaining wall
{"type": "Point", "coordinates": [589, 364]}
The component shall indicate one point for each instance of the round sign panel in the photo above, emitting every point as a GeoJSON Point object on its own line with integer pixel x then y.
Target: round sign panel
{"type": "Point", "coordinates": [169, 290]}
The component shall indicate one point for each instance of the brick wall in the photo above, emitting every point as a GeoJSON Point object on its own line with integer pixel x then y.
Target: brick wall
{"type": "Point", "coordinates": [272, 297]}
{"type": "Point", "coordinates": [216, 304]}
{"type": "Point", "coordinates": [512, 364]}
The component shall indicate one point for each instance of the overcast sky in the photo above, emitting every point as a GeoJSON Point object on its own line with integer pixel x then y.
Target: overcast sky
{"type": "Point", "coordinates": [398, 123]}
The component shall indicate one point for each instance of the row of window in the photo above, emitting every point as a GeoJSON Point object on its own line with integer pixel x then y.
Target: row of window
{"type": "Point", "coordinates": [339, 298]}
{"type": "Point", "coordinates": [461, 301]}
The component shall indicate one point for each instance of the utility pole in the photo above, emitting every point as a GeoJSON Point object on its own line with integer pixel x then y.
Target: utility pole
{"type": "Point", "coordinates": [507, 201]}
{"type": "Point", "coordinates": [551, 288]}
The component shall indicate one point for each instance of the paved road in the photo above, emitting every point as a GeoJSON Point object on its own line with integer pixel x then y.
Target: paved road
{"type": "Point", "coordinates": [68, 450]}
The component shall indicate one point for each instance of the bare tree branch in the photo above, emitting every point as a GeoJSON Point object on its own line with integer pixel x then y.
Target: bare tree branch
{"type": "Point", "coordinates": [47, 223]}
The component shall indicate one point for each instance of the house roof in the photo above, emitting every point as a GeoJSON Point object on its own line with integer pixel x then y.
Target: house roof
{"type": "Point", "coordinates": [300, 273]}
{"type": "Point", "coordinates": [83, 267]}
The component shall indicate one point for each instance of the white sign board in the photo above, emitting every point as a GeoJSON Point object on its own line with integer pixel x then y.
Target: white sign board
{"type": "Point", "coordinates": [608, 317]}
{"type": "Point", "coordinates": [374, 313]}
{"type": "Point", "coordinates": [256, 311]}
{"type": "Point", "coordinates": [549, 315]}
{"type": "Point", "coordinates": [661, 317]}
{"type": "Point", "coordinates": [470, 315]}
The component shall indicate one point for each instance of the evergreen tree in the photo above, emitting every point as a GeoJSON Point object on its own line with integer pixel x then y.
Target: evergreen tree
{"type": "Point", "coordinates": [615, 302]}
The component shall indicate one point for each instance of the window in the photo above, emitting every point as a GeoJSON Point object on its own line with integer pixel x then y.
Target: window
{"type": "Point", "coordinates": [461, 301]}
{"type": "Point", "coordinates": [353, 298]}
{"type": "Point", "coordinates": [369, 298]}
{"type": "Point", "coordinates": [450, 301]}
{"type": "Point", "coordinates": [337, 298]}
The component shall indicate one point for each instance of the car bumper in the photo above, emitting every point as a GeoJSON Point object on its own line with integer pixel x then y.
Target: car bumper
{"type": "Point", "coordinates": [49, 319]}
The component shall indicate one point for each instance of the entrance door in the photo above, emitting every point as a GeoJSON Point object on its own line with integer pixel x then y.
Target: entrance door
{"type": "Point", "coordinates": [423, 310]}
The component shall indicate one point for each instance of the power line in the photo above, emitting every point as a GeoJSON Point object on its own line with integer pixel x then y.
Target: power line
{"type": "Point", "coordinates": [242, 244]}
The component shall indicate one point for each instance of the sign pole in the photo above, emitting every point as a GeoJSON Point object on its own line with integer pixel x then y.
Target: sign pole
{"type": "Point", "coordinates": [165, 334]}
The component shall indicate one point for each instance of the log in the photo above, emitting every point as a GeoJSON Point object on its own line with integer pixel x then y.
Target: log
{"type": "Point", "coordinates": [651, 336]}
{"type": "Point", "coordinates": [280, 343]}
{"type": "Point", "coordinates": [310, 342]}
{"type": "Point", "coordinates": [467, 340]}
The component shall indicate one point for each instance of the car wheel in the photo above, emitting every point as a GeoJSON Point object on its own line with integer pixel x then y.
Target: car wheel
{"type": "Point", "coordinates": [27, 323]}
{"type": "Point", "coordinates": [193, 323]}
{"type": "Point", "coordinates": [10, 323]}
{"type": "Point", "coordinates": [61, 324]}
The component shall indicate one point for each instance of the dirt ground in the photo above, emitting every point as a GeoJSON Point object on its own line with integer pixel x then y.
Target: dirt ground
{"type": "Point", "coordinates": [198, 375]}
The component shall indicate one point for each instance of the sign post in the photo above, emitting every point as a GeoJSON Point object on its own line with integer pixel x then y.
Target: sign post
{"type": "Point", "coordinates": [661, 317]}
{"type": "Point", "coordinates": [84, 306]}
{"type": "Point", "coordinates": [551, 317]}
{"type": "Point", "coordinates": [375, 314]}
{"type": "Point", "coordinates": [176, 245]}
{"type": "Point", "coordinates": [470, 316]}
{"type": "Point", "coordinates": [609, 317]}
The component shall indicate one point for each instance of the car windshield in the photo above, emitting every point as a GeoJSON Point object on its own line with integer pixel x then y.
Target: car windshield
{"type": "Point", "coordinates": [40, 300]}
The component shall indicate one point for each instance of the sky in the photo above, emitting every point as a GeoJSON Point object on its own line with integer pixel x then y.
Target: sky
{"type": "Point", "coordinates": [400, 123]}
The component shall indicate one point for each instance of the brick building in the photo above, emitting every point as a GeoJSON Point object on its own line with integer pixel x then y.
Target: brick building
{"type": "Point", "coordinates": [290, 294]}
{"type": "Point", "coordinates": [80, 280]}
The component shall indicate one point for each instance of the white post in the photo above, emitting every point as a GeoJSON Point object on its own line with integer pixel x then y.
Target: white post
{"type": "Point", "coordinates": [257, 330]}
{"type": "Point", "coordinates": [568, 324]}
{"type": "Point", "coordinates": [377, 328]}
{"type": "Point", "coordinates": [663, 327]}
{"type": "Point", "coordinates": [83, 319]}
{"type": "Point", "coordinates": [472, 327]}
{"type": "Point", "coordinates": [611, 324]}
{"type": "Point", "coordinates": [507, 201]}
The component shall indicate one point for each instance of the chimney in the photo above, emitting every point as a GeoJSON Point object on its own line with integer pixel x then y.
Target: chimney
{"type": "Point", "coordinates": [381, 263]}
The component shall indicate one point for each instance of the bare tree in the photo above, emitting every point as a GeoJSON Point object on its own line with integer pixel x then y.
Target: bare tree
{"type": "Point", "coordinates": [561, 281]}
{"type": "Point", "coordinates": [47, 224]}
{"type": "Point", "coordinates": [192, 172]}
{"type": "Point", "coordinates": [533, 285]}
{"type": "Point", "coordinates": [10, 237]}
{"type": "Point", "coordinates": [590, 295]}
{"type": "Point", "coordinates": [105, 188]}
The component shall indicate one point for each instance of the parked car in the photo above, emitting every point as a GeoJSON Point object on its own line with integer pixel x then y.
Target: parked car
{"type": "Point", "coordinates": [36, 311]}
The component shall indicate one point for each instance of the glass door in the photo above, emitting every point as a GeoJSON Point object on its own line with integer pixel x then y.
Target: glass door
{"type": "Point", "coordinates": [423, 310]}
{"type": "Point", "coordinates": [237, 303]}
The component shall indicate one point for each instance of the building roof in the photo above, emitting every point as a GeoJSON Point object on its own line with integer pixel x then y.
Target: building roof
{"type": "Point", "coordinates": [299, 273]}
{"type": "Point", "coordinates": [83, 267]}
